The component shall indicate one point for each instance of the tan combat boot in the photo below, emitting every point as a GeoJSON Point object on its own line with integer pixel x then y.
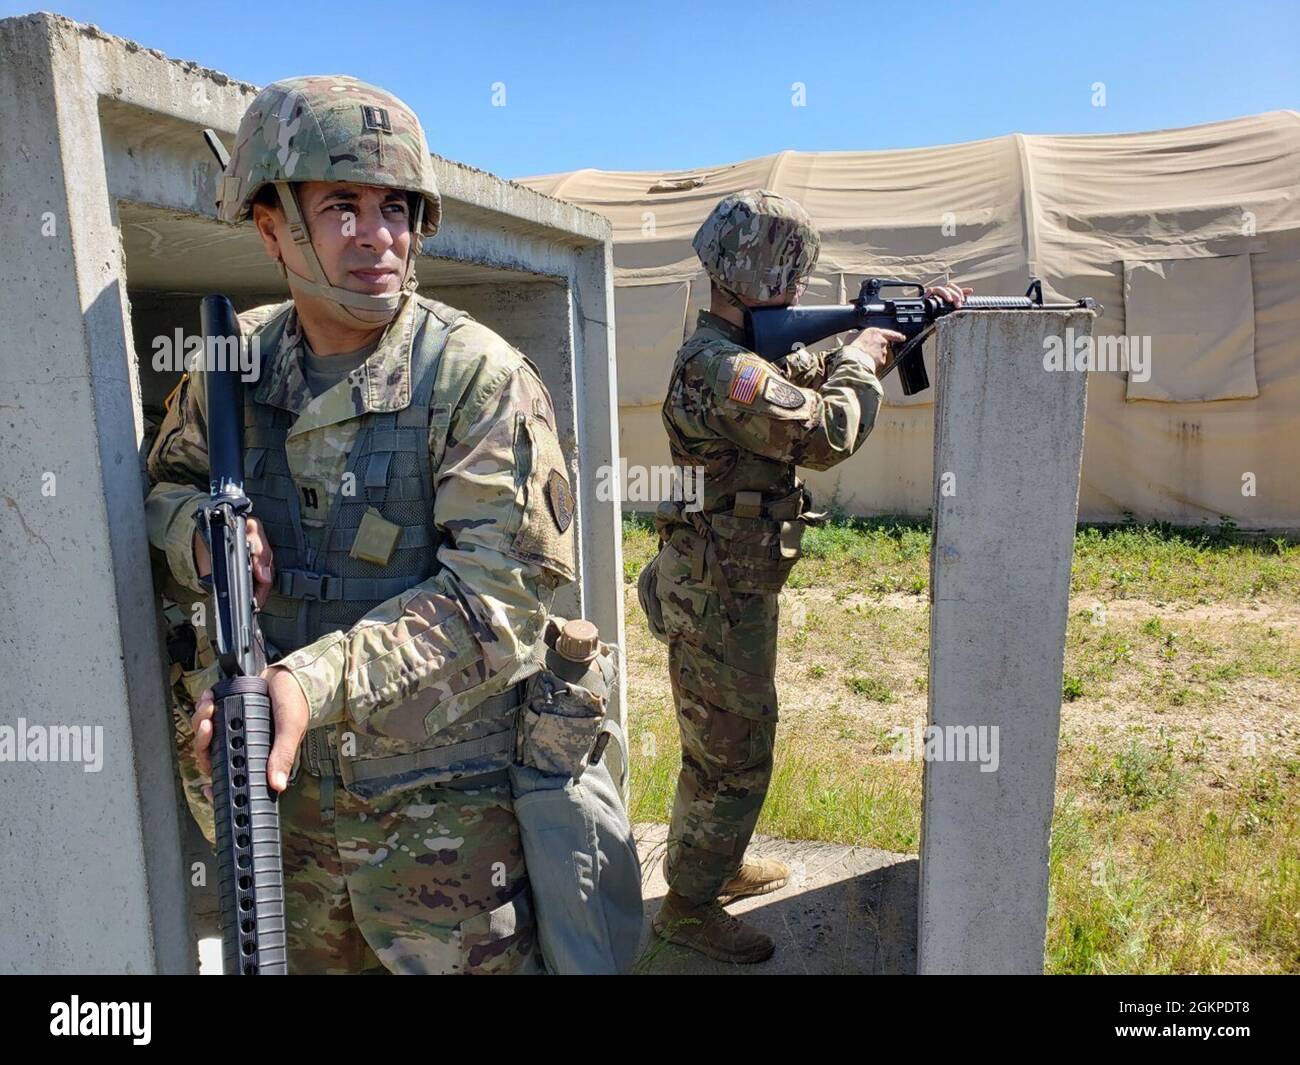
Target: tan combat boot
{"type": "Point", "coordinates": [711, 930]}
{"type": "Point", "coordinates": [757, 876]}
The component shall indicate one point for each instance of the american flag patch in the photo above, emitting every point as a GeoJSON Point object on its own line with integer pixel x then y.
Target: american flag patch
{"type": "Point", "coordinates": [746, 383]}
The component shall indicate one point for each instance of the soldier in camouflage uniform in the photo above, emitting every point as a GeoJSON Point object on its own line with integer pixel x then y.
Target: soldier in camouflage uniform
{"type": "Point", "coordinates": [190, 662]}
{"type": "Point", "coordinates": [192, 671]}
{"type": "Point", "coordinates": [413, 518]}
{"type": "Point", "coordinates": [712, 591]}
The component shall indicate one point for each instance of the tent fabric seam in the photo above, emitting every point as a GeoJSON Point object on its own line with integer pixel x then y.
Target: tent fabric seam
{"type": "Point", "coordinates": [1028, 213]}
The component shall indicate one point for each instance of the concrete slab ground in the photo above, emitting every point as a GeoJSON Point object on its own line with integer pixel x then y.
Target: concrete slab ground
{"type": "Point", "coordinates": [846, 911]}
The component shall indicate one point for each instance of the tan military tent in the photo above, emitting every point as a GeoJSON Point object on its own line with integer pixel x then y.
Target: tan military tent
{"type": "Point", "coordinates": [1188, 237]}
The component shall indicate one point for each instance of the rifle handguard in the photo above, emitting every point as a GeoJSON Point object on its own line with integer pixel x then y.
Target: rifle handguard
{"type": "Point", "coordinates": [248, 830]}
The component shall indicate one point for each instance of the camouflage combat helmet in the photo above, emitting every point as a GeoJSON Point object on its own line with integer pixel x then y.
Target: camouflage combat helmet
{"type": "Point", "coordinates": [758, 244]}
{"type": "Point", "coordinates": [330, 128]}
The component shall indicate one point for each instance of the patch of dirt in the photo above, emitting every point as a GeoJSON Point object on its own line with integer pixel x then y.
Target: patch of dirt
{"type": "Point", "coordinates": [1213, 736]}
{"type": "Point", "coordinates": [1259, 612]}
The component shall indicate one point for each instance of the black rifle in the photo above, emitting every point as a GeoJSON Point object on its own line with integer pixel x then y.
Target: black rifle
{"type": "Point", "coordinates": [774, 332]}
{"type": "Point", "coordinates": [251, 879]}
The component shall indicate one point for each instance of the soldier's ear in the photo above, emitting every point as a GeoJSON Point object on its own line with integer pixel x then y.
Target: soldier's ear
{"type": "Point", "coordinates": [267, 220]}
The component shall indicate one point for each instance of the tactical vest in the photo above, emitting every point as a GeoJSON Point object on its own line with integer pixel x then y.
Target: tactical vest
{"type": "Point", "coordinates": [747, 539]}
{"type": "Point", "coordinates": [322, 589]}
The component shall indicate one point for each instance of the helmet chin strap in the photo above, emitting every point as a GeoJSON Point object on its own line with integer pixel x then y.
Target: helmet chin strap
{"type": "Point", "coordinates": [733, 299]}
{"type": "Point", "coordinates": [350, 308]}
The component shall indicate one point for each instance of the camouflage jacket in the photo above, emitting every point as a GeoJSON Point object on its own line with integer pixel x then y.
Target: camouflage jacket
{"type": "Point", "coordinates": [749, 422]}
{"type": "Point", "coordinates": [487, 583]}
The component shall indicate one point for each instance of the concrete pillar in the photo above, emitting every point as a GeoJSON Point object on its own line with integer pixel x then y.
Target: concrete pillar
{"type": "Point", "coordinates": [91, 871]}
{"type": "Point", "coordinates": [1007, 448]}
{"type": "Point", "coordinates": [591, 306]}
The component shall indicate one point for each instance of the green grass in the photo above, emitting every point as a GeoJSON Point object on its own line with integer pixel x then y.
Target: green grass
{"type": "Point", "coordinates": [1162, 562]}
{"type": "Point", "coordinates": [640, 542]}
{"type": "Point", "coordinates": [809, 797]}
{"type": "Point", "coordinates": [1177, 886]}
{"type": "Point", "coordinates": [1136, 777]}
{"type": "Point", "coordinates": [1171, 563]}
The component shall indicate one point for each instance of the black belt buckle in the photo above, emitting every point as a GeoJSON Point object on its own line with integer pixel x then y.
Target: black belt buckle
{"type": "Point", "coordinates": [305, 584]}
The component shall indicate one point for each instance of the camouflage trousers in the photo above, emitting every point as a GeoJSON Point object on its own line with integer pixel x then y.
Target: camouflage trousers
{"type": "Point", "coordinates": [431, 881]}
{"type": "Point", "coordinates": [724, 688]}
{"type": "Point", "coordinates": [185, 690]}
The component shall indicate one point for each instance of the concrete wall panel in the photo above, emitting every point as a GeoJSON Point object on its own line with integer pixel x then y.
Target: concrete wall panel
{"type": "Point", "coordinates": [1008, 442]}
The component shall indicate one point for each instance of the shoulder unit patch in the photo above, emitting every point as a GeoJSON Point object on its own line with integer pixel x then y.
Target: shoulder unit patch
{"type": "Point", "coordinates": [561, 498]}
{"type": "Point", "coordinates": [782, 394]}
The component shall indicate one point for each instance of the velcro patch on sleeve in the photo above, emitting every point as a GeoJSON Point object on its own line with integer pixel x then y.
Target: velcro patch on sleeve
{"type": "Point", "coordinates": [783, 394]}
{"type": "Point", "coordinates": [562, 503]}
{"type": "Point", "coordinates": [747, 381]}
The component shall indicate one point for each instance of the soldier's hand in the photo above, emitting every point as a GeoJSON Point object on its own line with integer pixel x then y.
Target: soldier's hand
{"type": "Point", "coordinates": [259, 549]}
{"type": "Point", "coordinates": [874, 343]}
{"type": "Point", "coordinates": [290, 711]}
{"type": "Point", "coordinates": [292, 715]}
{"type": "Point", "coordinates": [201, 724]}
{"type": "Point", "coordinates": [954, 294]}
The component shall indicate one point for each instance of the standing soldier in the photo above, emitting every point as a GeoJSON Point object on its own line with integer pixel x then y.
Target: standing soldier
{"type": "Point", "coordinates": [413, 518]}
{"type": "Point", "coordinates": [715, 583]}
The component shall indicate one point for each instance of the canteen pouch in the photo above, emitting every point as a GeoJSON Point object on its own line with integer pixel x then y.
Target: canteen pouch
{"type": "Point", "coordinates": [579, 850]}
{"type": "Point", "coordinates": [565, 703]}
{"type": "Point", "coordinates": [558, 725]}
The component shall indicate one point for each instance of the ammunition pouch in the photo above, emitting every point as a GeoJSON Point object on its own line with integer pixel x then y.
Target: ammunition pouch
{"type": "Point", "coordinates": [752, 547]}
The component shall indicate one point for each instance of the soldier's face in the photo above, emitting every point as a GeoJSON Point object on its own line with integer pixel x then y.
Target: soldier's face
{"type": "Point", "coordinates": [361, 234]}
{"type": "Point", "coordinates": [788, 299]}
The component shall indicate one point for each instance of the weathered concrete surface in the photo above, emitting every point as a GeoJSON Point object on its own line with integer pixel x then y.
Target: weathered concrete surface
{"type": "Point", "coordinates": [846, 910]}
{"type": "Point", "coordinates": [1008, 442]}
{"type": "Point", "coordinates": [91, 878]}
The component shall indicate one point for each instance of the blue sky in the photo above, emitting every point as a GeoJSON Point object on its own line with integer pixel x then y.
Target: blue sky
{"type": "Point", "coordinates": [674, 84]}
